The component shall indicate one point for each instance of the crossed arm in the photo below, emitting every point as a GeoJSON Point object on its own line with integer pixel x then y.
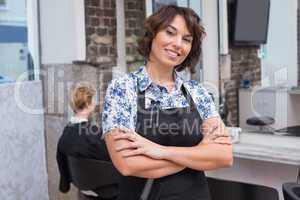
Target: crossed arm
{"type": "Point", "coordinates": [138, 165]}
{"type": "Point", "coordinates": [134, 155]}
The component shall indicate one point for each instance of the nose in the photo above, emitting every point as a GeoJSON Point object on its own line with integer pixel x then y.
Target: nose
{"type": "Point", "coordinates": [177, 42]}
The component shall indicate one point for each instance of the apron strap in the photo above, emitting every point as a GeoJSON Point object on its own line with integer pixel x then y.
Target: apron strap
{"type": "Point", "coordinates": [140, 97]}
{"type": "Point", "coordinates": [188, 97]}
{"type": "Point", "coordinates": [146, 190]}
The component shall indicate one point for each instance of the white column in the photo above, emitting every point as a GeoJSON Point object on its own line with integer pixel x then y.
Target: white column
{"type": "Point", "coordinates": [121, 40]}
{"type": "Point", "coordinates": [62, 31]}
{"type": "Point", "coordinates": [149, 7]}
{"type": "Point", "coordinates": [210, 46]}
{"type": "Point", "coordinates": [223, 27]}
{"type": "Point", "coordinates": [79, 26]}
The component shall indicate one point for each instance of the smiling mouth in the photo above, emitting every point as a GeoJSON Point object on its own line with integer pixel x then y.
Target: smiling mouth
{"type": "Point", "coordinates": [172, 54]}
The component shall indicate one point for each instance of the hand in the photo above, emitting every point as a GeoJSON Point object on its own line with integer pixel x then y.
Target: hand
{"type": "Point", "coordinates": [223, 140]}
{"type": "Point", "coordinates": [213, 128]}
{"type": "Point", "coordinates": [138, 145]}
{"type": "Point", "coordinates": [209, 139]}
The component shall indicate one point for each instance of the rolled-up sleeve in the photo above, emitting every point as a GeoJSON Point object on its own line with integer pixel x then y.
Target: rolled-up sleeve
{"type": "Point", "coordinates": [204, 102]}
{"type": "Point", "coordinates": [118, 108]}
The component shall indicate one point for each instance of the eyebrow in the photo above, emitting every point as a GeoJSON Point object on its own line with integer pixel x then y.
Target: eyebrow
{"type": "Point", "coordinates": [175, 29]}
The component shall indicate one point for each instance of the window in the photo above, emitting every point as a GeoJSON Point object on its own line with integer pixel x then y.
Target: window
{"type": "Point", "coordinates": [18, 58]}
{"type": "Point", "coordinates": [3, 4]}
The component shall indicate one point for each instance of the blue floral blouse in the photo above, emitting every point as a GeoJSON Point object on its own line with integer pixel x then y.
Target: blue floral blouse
{"type": "Point", "coordinates": [120, 104]}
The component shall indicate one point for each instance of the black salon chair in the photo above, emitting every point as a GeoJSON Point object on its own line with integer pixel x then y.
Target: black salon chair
{"type": "Point", "coordinates": [232, 190]}
{"type": "Point", "coordinates": [100, 177]}
{"type": "Point", "coordinates": [291, 191]}
{"type": "Point", "coordinates": [261, 122]}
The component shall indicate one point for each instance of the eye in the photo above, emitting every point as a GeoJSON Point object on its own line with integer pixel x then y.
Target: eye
{"type": "Point", "coordinates": [188, 40]}
{"type": "Point", "coordinates": [170, 32]}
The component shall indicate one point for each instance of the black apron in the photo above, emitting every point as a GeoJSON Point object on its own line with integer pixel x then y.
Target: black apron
{"type": "Point", "coordinates": [169, 127]}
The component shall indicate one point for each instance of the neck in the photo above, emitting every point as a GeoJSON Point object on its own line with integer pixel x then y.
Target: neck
{"type": "Point", "coordinates": [82, 114]}
{"type": "Point", "coordinates": [160, 75]}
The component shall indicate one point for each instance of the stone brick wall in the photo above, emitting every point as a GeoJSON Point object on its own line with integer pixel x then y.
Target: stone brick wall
{"type": "Point", "coordinates": [101, 30]}
{"type": "Point", "coordinates": [243, 59]}
{"type": "Point", "coordinates": [134, 19]}
{"type": "Point", "coordinates": [100, 19]}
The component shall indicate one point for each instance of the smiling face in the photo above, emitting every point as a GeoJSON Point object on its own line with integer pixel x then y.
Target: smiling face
{"type": "Point", "coordinates": [172, 44]}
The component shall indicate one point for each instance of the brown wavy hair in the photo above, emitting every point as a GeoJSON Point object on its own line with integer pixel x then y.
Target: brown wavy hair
{"type": "Point", "coordinates": [161, 19]}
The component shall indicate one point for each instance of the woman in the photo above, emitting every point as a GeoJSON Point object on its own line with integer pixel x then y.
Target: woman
{"type": "Point", "coordinates": [80, 139]}
{"type": "Point", "coordinates": [157, 125]}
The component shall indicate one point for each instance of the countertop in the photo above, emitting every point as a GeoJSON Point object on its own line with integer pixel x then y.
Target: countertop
{"type": "Point", "coordinates": [267, 147]}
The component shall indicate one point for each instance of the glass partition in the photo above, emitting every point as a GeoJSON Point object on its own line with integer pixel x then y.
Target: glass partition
{"type": "Point", "coordinates": [15, 57]}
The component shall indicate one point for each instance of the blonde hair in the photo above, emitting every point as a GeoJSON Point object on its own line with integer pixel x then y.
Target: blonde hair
{"type": "Point", "coordinates": [82, 96]}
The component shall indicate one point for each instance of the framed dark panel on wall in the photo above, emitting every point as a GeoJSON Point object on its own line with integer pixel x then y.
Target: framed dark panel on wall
{"type": "Point", "coordinates": [251, 22]}
{"type": "Point", "coordinates": [157, 4]}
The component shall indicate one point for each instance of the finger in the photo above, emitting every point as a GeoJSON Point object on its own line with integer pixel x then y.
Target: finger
{"type": "Point", "coordinates": [223, 140]}
{"type": "Point", "coordinates": [120, 148]}
{"type": "Point", "coordinates": [130, 145]}
{"type": "Point", "coordinates": [222, 134]}
{"type": "Point", "coordinates": [214, 129]}
{"type": "Point", "coordinates": [220, 131]}
{"type": "Point", "coordinates": [132, 137]}
{"type": "Point", "coordinates": [121, 136]}
{"type": "Point", "coordinates": [129, 136]}
{"type": "Point", "coordinates": [210, 130]}
{"type": "Point", "coordinates": [223, 130]}
{"type": "Point", "coordinates": [132, 153]}
{"type": "Point", "coordinates": [209, 138]}
{"type": "Point", "coordinates": [206, 141]}
{"type": "Point", "coordinates": [123, 130]}
{"type": "Point", "coordinates": [225, 143]}
{"type": "Point", "coordinates": [126, 130]}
